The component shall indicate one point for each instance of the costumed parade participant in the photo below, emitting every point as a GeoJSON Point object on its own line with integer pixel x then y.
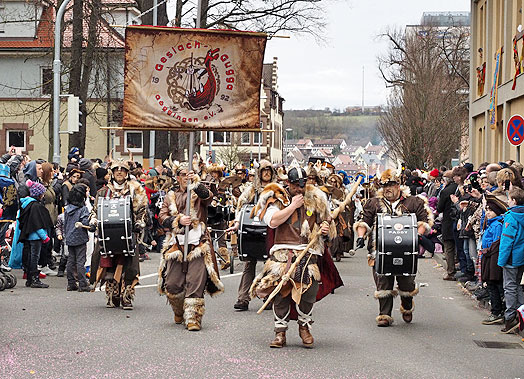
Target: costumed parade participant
{"type": "Point", "coordinates": [184, 281]}
{"type": "Point", "coordinates": [302, 226]}
{"type": "Point", "coordinates": [117, 270]}
{"type": "Point", "coordinates": [217, 221]}
{"type": "Point", "coordinates": [343, 209]}
{"type": "Point", "coordinates": [266, 175]}
{"type": "Point", "coordinates": [392, 199]}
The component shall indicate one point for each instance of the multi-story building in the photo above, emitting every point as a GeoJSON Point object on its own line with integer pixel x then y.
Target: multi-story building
{"type": "Point", "coordinates": [268, 143]}
{"type": "Point", "coordinates": [495, 31]}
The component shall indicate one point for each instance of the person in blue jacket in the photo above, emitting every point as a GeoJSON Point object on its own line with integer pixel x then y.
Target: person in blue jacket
{"type": "Point", "coordinates": [34, 220]}
{"type": "Point", "coordinates": [511, 258]}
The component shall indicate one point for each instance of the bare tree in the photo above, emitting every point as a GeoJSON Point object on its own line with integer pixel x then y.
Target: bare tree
{"type": "Point", "coordinates": [425, 69]}
{"type": "Point", "coordinates": [230, 155]}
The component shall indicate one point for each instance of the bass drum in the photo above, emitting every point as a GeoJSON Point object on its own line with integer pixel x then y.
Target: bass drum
{"type": "Point", "coordinates": [397, 245]}
{"type": "Point", "coordinates": [115, 227]}
{"type": "Point", "coordinates": [252, 236]}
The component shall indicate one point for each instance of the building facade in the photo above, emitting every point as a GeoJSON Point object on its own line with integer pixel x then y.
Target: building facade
{"type": "Point", "coordinates": [495, 70]}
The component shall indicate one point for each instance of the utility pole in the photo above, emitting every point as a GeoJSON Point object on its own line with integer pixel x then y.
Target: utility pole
{"type": "Point", "coordinates": [56, 83]}
{"type": "Point", "coordinates": [152, 134]}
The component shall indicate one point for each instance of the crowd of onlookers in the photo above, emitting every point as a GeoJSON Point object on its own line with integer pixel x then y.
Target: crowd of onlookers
{"type": "Point", "coordinates": [479, 228]}
{"type": "Point", "coordinates": [479, 222]}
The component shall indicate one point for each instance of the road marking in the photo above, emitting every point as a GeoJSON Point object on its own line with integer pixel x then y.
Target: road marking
{"type": "Point", "coordinates": [154, 285]}
{"type": "Point", "coordinates": [148, 276]}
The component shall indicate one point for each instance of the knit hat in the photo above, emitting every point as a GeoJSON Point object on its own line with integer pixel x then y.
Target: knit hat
{"type": "Point", "coordinates": [85, 164]}
{"type": "Point", "coordinates": [101, 173]}
{"type": "Point", "coordinates": [73, 152]}
{"type": "Point", "coordinates": [434, 173]}
{"type": "Point", "coordinates": [77, 195]}
{"type": "Point", "coordinates": [35, 189]}
{"type": "Point", "coordinates": [496, 205]}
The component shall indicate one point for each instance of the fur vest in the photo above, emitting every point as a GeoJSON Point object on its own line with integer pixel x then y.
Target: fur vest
{"type": "Point", "coordinates": [171, 250]}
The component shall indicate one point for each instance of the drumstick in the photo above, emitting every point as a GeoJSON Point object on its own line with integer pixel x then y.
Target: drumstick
{"type": "Point", "coordinates": [79, 225]}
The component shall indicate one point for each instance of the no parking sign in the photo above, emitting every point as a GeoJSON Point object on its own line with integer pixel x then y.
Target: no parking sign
{"type": "Point", "coordinates": [515, 130]}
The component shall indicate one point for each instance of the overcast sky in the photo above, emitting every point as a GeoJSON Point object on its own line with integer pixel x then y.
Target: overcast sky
{"type": "Point", "coordinates": [313, 76]}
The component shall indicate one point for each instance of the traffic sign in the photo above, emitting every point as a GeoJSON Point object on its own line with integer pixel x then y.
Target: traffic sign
{"type": "Point", "coordinates": [515, 130]}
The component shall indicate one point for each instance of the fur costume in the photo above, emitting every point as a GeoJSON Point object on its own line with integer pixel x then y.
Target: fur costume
{"type": "Point", "coordinates": [251, 189]}
{"type": "Point", "coordinates": [315, 203]}
{"type": "Point", "coordinates": [172, 251]}
{"type": "Point", "coordinates": [104, 266]}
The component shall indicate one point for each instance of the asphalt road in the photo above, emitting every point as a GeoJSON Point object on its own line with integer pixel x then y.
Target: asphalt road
{"type": "Point", "coordinates": [51, 333]}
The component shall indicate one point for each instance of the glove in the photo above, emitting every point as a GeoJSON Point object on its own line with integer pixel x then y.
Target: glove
{"type": "Point", "coordinates": [360, 242]}
{"type": "Point", "coordinates": [47, 239]}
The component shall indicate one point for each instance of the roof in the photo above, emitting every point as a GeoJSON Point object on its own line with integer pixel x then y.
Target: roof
{"type": "Point", "coordinates": [107, 36]}
{"type": "Point", "coordinates": [333, 141]}
{"type": "Point", "coordinates": [344, 159]}
{"type": "Point", "coordinates": [374, 149]}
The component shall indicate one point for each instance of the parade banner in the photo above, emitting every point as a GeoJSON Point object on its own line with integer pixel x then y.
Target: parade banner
{"type": "Point", "coordinates": [493, 94]}
{"type": "Point", "coordinates": [192, 79]}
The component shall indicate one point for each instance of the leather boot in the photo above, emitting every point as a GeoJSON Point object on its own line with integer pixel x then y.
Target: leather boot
{"type": "Point", "coordinates": [37, 283]}
{"type": "Point", "coordinates": [127, 297]}
{"type": "Point", "coordinates": [194, 309]}
{"type": "Point", "coordinates": [177, 305]}
{"type": "Point", "coordinates": [29, 279]}
{"type": "Point", "coordinates": [279, 341]}
{"type": "Point", "coordinates": [384, 320]}
{"type": "Point", "coordinates": [224, 253]}
{"type": "Point", "coordinates": [305, 335]}
{"type": "Point", "coordinates": [510, 326]}
{"type": "Point", "coordinates": [111, 287]}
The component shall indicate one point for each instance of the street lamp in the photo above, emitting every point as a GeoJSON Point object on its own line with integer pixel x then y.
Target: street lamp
{"type": "Point", "coordinates": [285, 142]}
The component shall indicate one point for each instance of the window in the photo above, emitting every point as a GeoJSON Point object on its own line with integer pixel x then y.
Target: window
{"type": "Point", "coordinates": [257, 137]}
{"type": "Point", "coordinates": [245, 138]}
{"type": "Point", "coordinates": [15, 138]}
{"type": "Point", "coordinates": [221, 137]}
{"type": "Point", "coordinates": [47, 81]}
{"type": "Point", "coordinates": [133, 141]}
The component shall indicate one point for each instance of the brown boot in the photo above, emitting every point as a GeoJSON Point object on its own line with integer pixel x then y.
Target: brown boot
{"type": "Point", "coordinates": [279, 341]}
{"type": "Point", "coordinates": [224, 253]}
{"type": "Point", "coordinates": [384, 320]}
{"type": "Point", "coordinates": [127, 297]}
{"type": "Point", "coordinates": [177, 305]}
{"type": "Point", "coordinates": [407, 314]}
{"type": "Point", "coordinates": [194, 309]}
{"type": "Point", "coordinates": [305, 334]}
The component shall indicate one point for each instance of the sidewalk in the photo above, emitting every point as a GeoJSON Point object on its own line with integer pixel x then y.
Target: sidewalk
{"type": "Point", "coordinates": [483, 303]}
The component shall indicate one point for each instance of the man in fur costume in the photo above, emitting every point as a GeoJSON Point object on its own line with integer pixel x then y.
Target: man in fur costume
{"type": "Point", "coordinates": [215, 176]}
{"type": "Point", "coordinates": [266, 175]}
{"type": "Point", "coordinates": [119, 273]}
{"type": "Point", "coordinates": [392, 198]}
{"type": "Point", "coordinates": [343, 210]}
{"type": "Point", "coordinates": [184, 283]}
{"type": "Point", "coordinates": [299, 216]}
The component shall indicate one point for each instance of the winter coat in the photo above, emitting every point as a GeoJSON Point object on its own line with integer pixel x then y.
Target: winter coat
{"type": "Point", "coordinates": [448, 210]}
{"type": "Point", "coordinates": [465, 215]}
{"type": "Point", "coordinates": [75, 236]}
{"type": "Point", "coordinates": [511, 250]}
{"type": "Point", "coordinates": [9, 201]}
{"type": "Point", "coordinates": [92, 182]}
{"type": "Point", "coordinates": [36, 234]}
{"type": "Point", "coordinates": [493, 231]}
{"type": "Point", "coordinates": [50, 202]}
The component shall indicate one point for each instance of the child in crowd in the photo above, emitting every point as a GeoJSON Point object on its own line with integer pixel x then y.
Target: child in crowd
{"type": "Point", "coordinates": [76, 238]}
{"type": "Point", "coordinates": [491, 272]}
{"type": "Point", "coordinates": [511, 258]}
{"type": "Point", "coordinates": [63, 248]}
{"type": "Point", "coordinates": [34, 220]}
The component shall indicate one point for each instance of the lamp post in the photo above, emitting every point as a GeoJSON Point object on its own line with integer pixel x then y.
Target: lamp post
{"type": "Point", "coordinates": [285, 142]}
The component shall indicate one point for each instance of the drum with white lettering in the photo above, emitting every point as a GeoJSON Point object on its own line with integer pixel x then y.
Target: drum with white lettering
{"type": "Point", "coordinates": [396, 244]}
{"type": "Point", "coordinates": [115, 226]}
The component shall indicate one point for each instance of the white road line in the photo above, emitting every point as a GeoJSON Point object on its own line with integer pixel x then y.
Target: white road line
{"type": "Point", "coordinates": [154, 285]}
{"type": "Point", "coordinates": [148, 276]}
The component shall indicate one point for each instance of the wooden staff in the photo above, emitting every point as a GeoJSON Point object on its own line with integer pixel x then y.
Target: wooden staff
{"type": "Point", "coordinates": [347, 200]}
{"type": "Point", "coordinates": [286, 276]}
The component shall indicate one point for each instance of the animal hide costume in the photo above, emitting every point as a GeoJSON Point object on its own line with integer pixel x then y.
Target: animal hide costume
{"type": "Point", "coordinates": [119, 273]}
{"type": "Point", "coordinates": [406, 284]}
{"type": "Point", "coordinates": [185, 290]}
{"type": "Point", "coordinates": [303, 224]}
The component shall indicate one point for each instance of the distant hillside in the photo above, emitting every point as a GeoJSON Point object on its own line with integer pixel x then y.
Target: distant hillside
{"type": "Point", "coordinates": [315, 124]}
